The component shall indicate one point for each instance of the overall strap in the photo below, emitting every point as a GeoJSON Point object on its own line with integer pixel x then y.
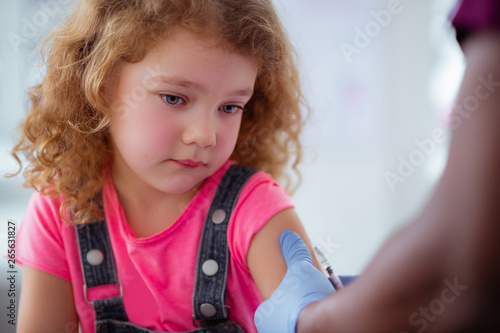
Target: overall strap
{"type": "Point", "coordinates": [209, 297]}
{"type": "Point", "coordinates": [98, 267]}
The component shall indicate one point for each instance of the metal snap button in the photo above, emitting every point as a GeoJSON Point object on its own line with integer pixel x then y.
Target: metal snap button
{"type": "Point", "coordinates": [218, 216]}
{"type": "Point", "coordinates": [207, 309]}
{"type": "Point", "coordinates": [95, 257]}
{"type": "Point", "coordinates": [210, 267]}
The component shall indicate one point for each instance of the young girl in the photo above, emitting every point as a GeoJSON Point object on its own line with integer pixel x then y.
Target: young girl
{"type": "Point", "coordinates": [144, 218]}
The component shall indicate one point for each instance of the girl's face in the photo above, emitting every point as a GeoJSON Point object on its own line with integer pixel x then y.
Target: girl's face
{"type": "Point", "coordinates": [175, 115]}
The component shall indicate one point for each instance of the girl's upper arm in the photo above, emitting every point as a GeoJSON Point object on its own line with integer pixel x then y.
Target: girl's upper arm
{"type": "Point", "coordinates": [265, 260]}
{"type": "Point", "coordinates": [46, 304]}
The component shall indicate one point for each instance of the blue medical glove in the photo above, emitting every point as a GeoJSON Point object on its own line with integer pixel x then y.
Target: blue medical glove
{"type": "Point", "coordinates": [303, 284]}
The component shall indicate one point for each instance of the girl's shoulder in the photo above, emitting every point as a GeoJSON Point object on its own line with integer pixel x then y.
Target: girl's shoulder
{"type": "Point", "coordinates": [262, 187]}
{"type": "Point", "coordinates": [45, 204]}
{"type": "Point", "coordinates": [44, 211]}
{"type": "Point", "coordinates": [260, 199]}
{"type": "Point", "coordinates": [43, 235]}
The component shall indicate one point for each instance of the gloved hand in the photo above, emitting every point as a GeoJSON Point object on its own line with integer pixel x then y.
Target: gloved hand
{"type": "Point", "coordinates": [303, 284]}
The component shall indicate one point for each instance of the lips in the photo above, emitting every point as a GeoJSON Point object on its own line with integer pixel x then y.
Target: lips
{"type": "Point", "coordinates": [189, 164]}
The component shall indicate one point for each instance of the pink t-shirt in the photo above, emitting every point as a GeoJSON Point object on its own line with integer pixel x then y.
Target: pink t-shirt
{"type": "Point", "coordinates": [157, 272]}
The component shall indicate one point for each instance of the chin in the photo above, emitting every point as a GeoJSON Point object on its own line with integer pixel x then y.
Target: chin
{"type": "Point", "coordinates": [180, 187]}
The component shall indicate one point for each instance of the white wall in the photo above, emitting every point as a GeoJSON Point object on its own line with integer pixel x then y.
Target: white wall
{"type": "Point", "coordinates": [368, 110]}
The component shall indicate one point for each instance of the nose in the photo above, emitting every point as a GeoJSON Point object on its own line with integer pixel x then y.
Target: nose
{"type": "Point", "coordinates": [200, 131]}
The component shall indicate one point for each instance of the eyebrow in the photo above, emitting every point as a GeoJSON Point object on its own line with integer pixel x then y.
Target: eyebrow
{"type": "Point", "coordinates": [189, 84]}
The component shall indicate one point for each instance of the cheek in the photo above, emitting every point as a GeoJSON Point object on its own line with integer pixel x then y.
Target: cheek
{"type": "Point", "coordinates": [229, 135]}
{"type": "Point", "coordinates": [142, 136]}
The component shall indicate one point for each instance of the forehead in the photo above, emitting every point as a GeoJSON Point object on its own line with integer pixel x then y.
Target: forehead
{"type": "Point", "coordinates": [181, 40]}
{"type": "Point", "coordinates": [187, 60]}
{"type": "Point", "coordinates": [183, 51]}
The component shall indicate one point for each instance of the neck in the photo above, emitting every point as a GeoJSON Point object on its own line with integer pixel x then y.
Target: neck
{"type": "Point", "coordinates": [146, 198]}
{"type": "Point", "coordinates": [147, 209]}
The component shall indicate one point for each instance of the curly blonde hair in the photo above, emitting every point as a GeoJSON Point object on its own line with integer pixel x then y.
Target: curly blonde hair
{"type": "Point", "coordinates": [65, 136]}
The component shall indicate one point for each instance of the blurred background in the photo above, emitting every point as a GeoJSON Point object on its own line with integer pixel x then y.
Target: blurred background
{"type": "Point", "coordinates": [380, 78]}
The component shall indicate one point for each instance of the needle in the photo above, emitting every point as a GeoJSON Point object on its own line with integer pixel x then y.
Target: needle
{"type": "Point", "coordinates": [334, 279]}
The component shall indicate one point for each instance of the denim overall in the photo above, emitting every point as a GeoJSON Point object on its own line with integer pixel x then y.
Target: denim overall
{"type": "Point", "coordinates": [211, 313]}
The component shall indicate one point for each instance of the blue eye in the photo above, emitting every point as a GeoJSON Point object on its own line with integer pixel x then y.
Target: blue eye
{"type": "Point", "coordinates": [231, 108]}
{"type": "Point", "coordinates": [172, 99]}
